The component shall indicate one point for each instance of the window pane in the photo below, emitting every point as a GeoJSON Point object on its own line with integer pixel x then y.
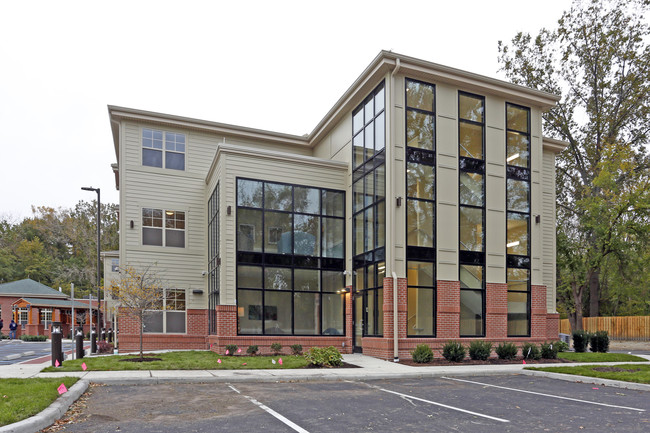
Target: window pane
{"type": "Point", "coordinates": [369, 181]}
{"type": "Point", "coordinates": [419, 223]}
{"type": "Point", "coordinates": [419, 130]}
{"type": "Point", "coordinates": [152, 158]}
{"type": "Point", "coordinates": [277, 233]}
{"type": "Point", "coordinates": [370, 229]}
{"type": "Point", "coordinates": [420, 273]}
{"type": "Point", "coordinates": [277, 278]}
{"type": "Point", "coordinates": [419, 95]}
{"type": "Point", "coordinates": [517, 152]}
{"type": "Point", "coordinates": [357, 121]}
{"type": "Point", "coordinates": [306, 307]}
{"type": "Point", "coordinates": [470, 140]}
{"type": "Point", "coordinates": [333, 203]}
{"type": "Point", "coordinates": [379, 100]}
{"type": "Point", "coordinates": [369, 140]}
{"type": "Point", "coordinates": [249, 230]}
{"type": "Point", "coordinates": [370, 315]}
{"type": "Point", "coordinates": [306, 280]}
{"type": "Point", "coordinates": [380, 141]}
{"type": "Point", "coordinates": [306, 200]}
{"type": "Point", "coordinates": [518, 313]}
{"type": "Point", "coordinates": [277, 196]}
{"type": "Point", "coordinates": [369, 111]}
{"type": "Point", "coordinates": [175, 238]}
{"type": "Point", "coordinates": [249, 193]}
{"type": "Point", "coordinates": [471, 277]}
{"type": "Point", "coordinates": [380, 240]}
{"type": "Point", "coordinates": [175, 321]}
{"type": "Point", "coordinates": [471, 229]}
{"type": "Point", "coordinates": [517, 118]}
{"type": "Point", "coordinates": [175, 161]}
{"type": "Point", "coordinates": [249, 311]}
{"type": "Point", "coordinates": [420, 311]}
{"type": "Point", "coordinates": [358, 149]}
{"type": "Point", "coordinates": [420, 181]}
{"type": "Point", "coordinates": [357, 196]}
{"type": "Point", "coordinates": [470, 108]}
{"type": "Point", "coordinates": [370, 275]}
{"type": "Point", "coordinates": [380, 182]}
{"type": "Point", "coordinates": [153, 322]}
{"type": "Point", "coordinates": [333, 236]}
{"type": "Point", "coordinates": [333, 281]}
{"type": "Point", "coordinates": [517, 279]}
{"type": "Point", "coordinates": [471, 312]}
{"type": "Point", "coordinates": [151, 236]}
{"type": "Point", "coordinates": [333, 314]}
{"type": "Point", "coordinates": [517, 234]}
{"type": "Point", "coordinates": [360, 278]}
{"type": "Point", "coordinates": [358, 234]}
{"type": "Point", "coordinates": [249, 277]}
{"type": "Point", "coordinates": [518, 195]}
{"type": "Point", "coordinates": [471, 189]}
{"type": "Point", "coordinates": [277, 313]}
{"type": "Point", "coordinates": [306, 235]}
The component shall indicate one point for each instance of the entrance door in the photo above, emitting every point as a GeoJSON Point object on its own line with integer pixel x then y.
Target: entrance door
{"type": "Point", "coordinates": [358, 322]}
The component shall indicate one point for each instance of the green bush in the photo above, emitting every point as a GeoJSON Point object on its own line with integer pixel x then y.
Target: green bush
{"type": "Point", "coordinates": [480, 350]}
{"type": "Point", "coordinates": [530, 351]}
{"type": "Point", "coordinates": [252, 349]}
{"type": "Point", "coordinates": [324, 356]}
{"type": "Point", "coordinates": [232, 349]}
{"type": "Point", "coordinates": [562, 346]}
{"type": "Point", "coordinates": [599, 341]}
{"type": "Point", "coordinates": [506, 350]}
{"type": "Point", "coordinates": [453, 351]}
{"type": "Point", "coordinates": [580, 340]}
{"type": "Point", "coordinates": [33, 337]}
{"type": "Point", "coordinates": [276, 348]}
{"type": "Point", "coordinates": [549, 350]}
{"type": "Point", "coordinates": [296, 349]}
{"type": "Point", "coordinates": [422, 354]}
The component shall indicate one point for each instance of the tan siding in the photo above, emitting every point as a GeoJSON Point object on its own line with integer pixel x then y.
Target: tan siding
{"type": "Point", "coordinates": [548, 239]}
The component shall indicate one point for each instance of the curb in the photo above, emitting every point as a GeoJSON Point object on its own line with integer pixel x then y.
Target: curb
{"type": "Point", "coordinates": [586, 379]}
{"type": "Point", "coordinates": [50, 414]}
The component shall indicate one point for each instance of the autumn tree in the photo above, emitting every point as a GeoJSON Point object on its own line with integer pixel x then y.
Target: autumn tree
{"type": "Point", "coordinates": [598, 59]}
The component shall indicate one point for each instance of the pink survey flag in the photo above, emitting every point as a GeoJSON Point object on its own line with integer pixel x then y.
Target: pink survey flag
{"type": "Point", "coordinates": [62, 389]}
{"type": "Point", "coordinates": [524, 361]}
{"type": "Point", "coordinates": [280, 361]}
{"type": "Point", "coordinates": [239, 350]}
{"type": "Point", "coordinates": [56, 363]}
{"type": "Point", "coordinates": [83, 366]}
{"type": "Point", "coordinates": [219, 360]}
{"type": "Point", "coordinates": [227, 352]}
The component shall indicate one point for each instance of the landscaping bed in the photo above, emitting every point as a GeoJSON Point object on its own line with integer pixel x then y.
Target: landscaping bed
{"type": "Point", "coordinates": [441, 362]}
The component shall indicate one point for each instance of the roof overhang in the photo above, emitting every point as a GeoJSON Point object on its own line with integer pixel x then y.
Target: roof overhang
{"type": "Point", "coordinates": [553, 145]}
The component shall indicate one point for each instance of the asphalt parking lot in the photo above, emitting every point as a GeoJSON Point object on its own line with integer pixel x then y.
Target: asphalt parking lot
{"type": "Point", "coordinates": [510, 403]}
{"type": "Point", "coordinates": [15, 351]}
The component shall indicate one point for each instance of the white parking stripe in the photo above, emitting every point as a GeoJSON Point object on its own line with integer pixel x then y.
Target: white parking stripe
{"type": "Point", "coordinates": [544, 395]}
{"type": "Point", "coordinates": [286, 421]}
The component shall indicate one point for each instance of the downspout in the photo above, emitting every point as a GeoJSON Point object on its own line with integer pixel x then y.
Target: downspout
{"type": "Point", "coordinates": [395, 309]}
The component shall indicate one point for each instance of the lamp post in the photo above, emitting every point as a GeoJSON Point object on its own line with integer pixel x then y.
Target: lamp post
{"type": "Point", "coordinates": [99, 207]}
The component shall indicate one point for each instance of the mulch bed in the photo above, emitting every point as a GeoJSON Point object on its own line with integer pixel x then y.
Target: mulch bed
{"type": "Point", "coordinates": [141, 359]}
{"type": "Point", "coordinates": [491, 361]}
{"type": "Point", "coordinates": [343, 365]}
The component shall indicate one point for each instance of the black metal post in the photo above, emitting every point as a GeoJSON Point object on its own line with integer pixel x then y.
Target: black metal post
{"type": "Point", "coordinates": [79, 342]}
{"type": "Point", "coordinates": [93, 341]}
{"type": "Point", "coordinates": [56, 336]}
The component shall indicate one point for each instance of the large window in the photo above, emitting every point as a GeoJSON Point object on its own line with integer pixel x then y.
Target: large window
{"type": "Point", "coordinates": [369, 210]}
{"type": "Point", "coordinates": [163, 227]}
{"type": "Point", "coordinates": [471, 214]}
{"type": "Point", "coordinates": [518, 219]}
{"type": "Point", "coordinates": [290, 259]}
{"type": "Point", "coordinates": [160, 146]}
{"type": "Point", "coordinates": [46, 317]}
{"type": "Point", "coordinates": [170, 316]}
{"type": "Point", "coordinates": [214, 259]}
{"type": "Point", "coordinates": [421, 207]}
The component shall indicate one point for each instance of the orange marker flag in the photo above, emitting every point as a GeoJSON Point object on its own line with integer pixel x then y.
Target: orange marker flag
{"type": "Point", "coordinates": [56, 363]}
{"type": "Point", "coordinates": [62, 389]}
{"type": "Point", "coordinates": [83, 366]}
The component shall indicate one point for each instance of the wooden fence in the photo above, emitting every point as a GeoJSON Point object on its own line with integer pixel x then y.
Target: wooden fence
{"type": "Point", "coordinates": [618, 328]}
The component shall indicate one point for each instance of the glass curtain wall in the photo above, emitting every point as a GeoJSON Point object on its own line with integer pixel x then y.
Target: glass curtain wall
{"type": "Point", "coordinates": [420, 207]}
{"type": "Point", "coordinates": [214, 259]}
{"type": "Point", "coordinates": [518, 219]}
{"type": "Point", "coordinates": [471, 217]}
{"type": "Point", "coordinates": [369, 211]}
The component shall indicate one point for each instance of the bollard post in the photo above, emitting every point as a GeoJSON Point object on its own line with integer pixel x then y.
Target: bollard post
{"type": "Point", "coordinates": [93, 341]}
{"type": "Point", "coordinates": [79, 343]}
{"type": "Point", "coordinates": [110, 335]}
{"type": "Point", "coordinates": [103, 334]}
{"type": "Point", "coordinates": [56, 336]}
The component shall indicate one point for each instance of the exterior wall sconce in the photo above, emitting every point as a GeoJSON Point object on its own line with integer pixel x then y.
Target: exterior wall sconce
{"type": "Point", "coordinates": [197, 291]}
{"type": "Point", "coordinates": [131, 224]}
{"type": "Point", "coordinates": [537, 218]}
{"type": "Point", "coordinates": [399, 201]}
{"type": "Point", "coordinates": [229, 210]}
{"type": "Point", "coordinates": [343, 290]}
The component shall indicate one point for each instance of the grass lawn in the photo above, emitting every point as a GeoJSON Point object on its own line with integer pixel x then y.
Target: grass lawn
{"type": "Point", "coordinates": [187, 360]}
{"type": "Point", "coordinates": [639, 373]}
{"type": "Point", "coordinates": [22, 398]}
{"type": "Point", "coordinates": [599, 357]}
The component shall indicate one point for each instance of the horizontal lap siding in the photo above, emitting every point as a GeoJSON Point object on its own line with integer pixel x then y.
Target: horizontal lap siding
{"type": "Point", "coordinates": [548, 228]}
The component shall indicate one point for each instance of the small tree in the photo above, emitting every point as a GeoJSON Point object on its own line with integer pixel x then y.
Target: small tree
{"type": "Point", "coordinates": [139, 293]}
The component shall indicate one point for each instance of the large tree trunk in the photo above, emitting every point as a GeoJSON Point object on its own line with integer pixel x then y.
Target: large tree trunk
{"type": "Point", "coordinates": [594, 292]}
{"type": "Point", "coordinates": [576, 291]}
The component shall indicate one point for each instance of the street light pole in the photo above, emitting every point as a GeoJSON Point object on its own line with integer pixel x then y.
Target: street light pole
{"type": "Point", "coordinates": [99, 224]}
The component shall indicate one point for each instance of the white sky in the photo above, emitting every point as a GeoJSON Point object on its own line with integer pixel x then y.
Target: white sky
{"type": "Point", "coordinates": [275, 65]}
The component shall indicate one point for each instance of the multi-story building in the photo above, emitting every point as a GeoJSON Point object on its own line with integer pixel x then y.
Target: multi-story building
{"type": "Point", "coordinates": [420, 209]}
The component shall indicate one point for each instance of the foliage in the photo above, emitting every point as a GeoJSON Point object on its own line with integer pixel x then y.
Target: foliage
{"type": "Point", "coordinates": [324, 356]}
{"type": "Point", "coordinates": [506, 350]}
{"type": "Point", "coordinates": [562, 346]}
{"type": "Point", "coordinates": [549, 350]}
{"type": "Point", "coordinates": [480, 350]}
{"type": "Point", "coordinates": [580, 340]}
{"type": "Point", "coordinates": [530, 351]}
{"type": "Point", "coordinates": [453, 351]}
{"type": "Point", "coordinates": [599, 341]}
{"type": "Point", "coordinates": [252, 349]}
{"type": "Point", "coordinates": [33, 337]}
{"type": "Point", "coordinates": [598, 59]}
{"type": "Point", "coordinates": [231, 349]}
{"type": "Point", "coordinates": [23, 398]}
{"type": "Point", "coordinates": [638, 373]}
{"type": "Point", "coordinates": [104, 347]}
{"type": "Point", "coordinates": [599, 357]}
{"type": "Point", "coordinates": [276, 348]}
{"type": "Point", "coordinates": [422, 354]}
{"type": "Point", "coordinates": [296, 349]}
{"type": "Point", "coordinates": [139, 293]}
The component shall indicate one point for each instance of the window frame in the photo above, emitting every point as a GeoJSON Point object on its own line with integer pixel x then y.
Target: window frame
{"type": "Point", "coordinates": [164, 309]}
{"type": "Point", "coordinates": [164, 229]}
{"type": "Point", "coordinates": [163, 150]}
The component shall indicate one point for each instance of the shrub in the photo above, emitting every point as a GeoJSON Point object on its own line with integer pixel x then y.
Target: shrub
{"type": "Point", "coordinates": [599, 341]}
{"type": "Point", "coordinates": [562, 346]}
{"type": "Point", "coordinates": [104, 347]}
{"type": "Point", "coordinates": [324, 356]}
{"type": "Point", "coordinates": [506, 351]}
{"type": "Point", "coordinates": [453, 351]}
{"type": "Point", "coordinates": [276, 348]}
{"type": "Point", "coordinates": [530, 351]}
{"type": "Point", "coordinates": [580, 340]}
{"type": "Point", "coordinates": [252, 349]}
{"type": "Point", "coordinates": [296, 349]}
{"type": "Point", "coordinates": [549, 350]}
{"type": "Point", "coordinates": [232, 349]}
{"type": "Point", "coordinates": [33, 337]}
{"type": "Point", "coordinates": [480, 350]}
{"type": "Point", "coordinates": [422, 354]}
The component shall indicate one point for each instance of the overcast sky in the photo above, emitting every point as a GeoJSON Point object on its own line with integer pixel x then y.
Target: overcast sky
{"type": "Point", "coordinates": [275, 65]}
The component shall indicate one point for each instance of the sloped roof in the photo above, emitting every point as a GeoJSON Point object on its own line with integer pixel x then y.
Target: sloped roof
{"type": "Point", "coordinates": [29, 287]}
{"type": "Point", "coordinates": [45, 302]}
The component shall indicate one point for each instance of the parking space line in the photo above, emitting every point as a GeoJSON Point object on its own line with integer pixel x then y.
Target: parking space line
{"type": "Point", "coordinates": [410, 397]}
{"type": "Point", "coordinates": [544, 395]}
{"type": "Point", "coordinates": [286, 421]}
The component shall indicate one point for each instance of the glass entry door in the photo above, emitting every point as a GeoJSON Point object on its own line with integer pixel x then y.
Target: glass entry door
{"type": "Point", "coordinates": [358, 322]}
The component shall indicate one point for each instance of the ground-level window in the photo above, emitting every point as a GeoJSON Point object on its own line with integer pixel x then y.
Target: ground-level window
{"type": "Point", "coordinates": [171, 317]}
{"type": "Point", "coordinates": [23, 316]}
